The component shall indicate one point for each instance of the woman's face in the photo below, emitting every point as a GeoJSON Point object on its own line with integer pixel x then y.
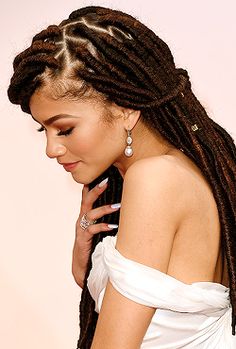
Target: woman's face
{"type": "Point", "coordinates": [89, 141]}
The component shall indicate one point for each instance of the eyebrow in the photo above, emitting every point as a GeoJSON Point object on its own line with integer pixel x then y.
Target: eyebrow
{"type": "Point", "coordinates": [55, 118]}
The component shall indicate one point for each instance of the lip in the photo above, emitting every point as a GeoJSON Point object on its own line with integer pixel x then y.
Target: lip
{"type": "Point", "coordinates": [70, 166]}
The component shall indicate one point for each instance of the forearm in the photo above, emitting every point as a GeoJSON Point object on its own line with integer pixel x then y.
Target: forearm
{"type": "Point", "coordinates": [79, 266]}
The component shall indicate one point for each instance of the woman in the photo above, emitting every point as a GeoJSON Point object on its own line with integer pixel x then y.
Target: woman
{"type": "Point", "coordinates": [124, 121]}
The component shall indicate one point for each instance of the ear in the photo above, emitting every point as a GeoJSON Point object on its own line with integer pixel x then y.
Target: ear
{"type": "Point", "coordinates": [127, 116]}
{"type": "Point", "coordinates": [130, 117]}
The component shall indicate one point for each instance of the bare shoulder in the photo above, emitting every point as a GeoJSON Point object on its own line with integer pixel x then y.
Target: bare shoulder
{"type": "Point", "coordinates": [150, 212]}
{"type": "Point", "coordinates": [156, 177]}
{"type": "Point", "coordinates": [168, 172]}
{"type": "Point", "coordinates": [154, 167]}
{"type": "Point", "coordinates": [162, 200]}
{"type": "Point", "coordinates": [180, 170]}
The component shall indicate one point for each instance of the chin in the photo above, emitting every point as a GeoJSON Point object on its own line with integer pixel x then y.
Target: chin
{"type": "Point", "coordinates": [84, 177]}
{"type": "Point", "coordinates": [79, 179]}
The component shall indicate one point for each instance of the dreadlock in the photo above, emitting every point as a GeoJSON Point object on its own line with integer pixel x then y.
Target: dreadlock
{"type": "Point", "coordinates": [126, 63]}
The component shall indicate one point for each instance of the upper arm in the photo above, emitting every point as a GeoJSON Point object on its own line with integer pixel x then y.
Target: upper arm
{"type": "Point", "coordinates": [150, 212]}
{"type": "Point", "coordinates": [149, 217]}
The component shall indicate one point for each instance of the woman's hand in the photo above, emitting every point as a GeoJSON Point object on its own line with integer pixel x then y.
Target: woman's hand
{"type": "Point", "coordinates": [83, 238]}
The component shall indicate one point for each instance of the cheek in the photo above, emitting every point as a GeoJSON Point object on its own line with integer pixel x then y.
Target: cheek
{"type": "Point", "coordinates": [89, 141]}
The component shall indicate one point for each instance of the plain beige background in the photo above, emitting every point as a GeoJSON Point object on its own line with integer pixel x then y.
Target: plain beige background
{"type": "Point", "coordinates": [39, 300]}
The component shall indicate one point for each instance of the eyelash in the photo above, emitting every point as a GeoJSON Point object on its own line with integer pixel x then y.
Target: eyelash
{"type": "Point", "coordinates": [61, 133]}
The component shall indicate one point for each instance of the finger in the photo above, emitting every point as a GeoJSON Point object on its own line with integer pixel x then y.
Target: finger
{"type": "Point", "coordinates": [93, 195]}
{"type": "Point", "coordinates": [101, 211]}
{"type": "Point", "coordinates": [97, 213]}
{"type": "Point", "coordinates": [94, 229]}
{"type": "Point", "coordinates": [85, 190]}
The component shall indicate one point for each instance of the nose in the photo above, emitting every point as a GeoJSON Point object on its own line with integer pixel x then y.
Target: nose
{"type": "Point", "coordinates": [54, 149]}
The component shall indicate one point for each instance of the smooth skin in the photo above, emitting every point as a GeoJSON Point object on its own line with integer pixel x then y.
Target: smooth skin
{"type": "Point", "coordinates": [168, 217]}
{"type": "Point", "coordinates": [156, 206]}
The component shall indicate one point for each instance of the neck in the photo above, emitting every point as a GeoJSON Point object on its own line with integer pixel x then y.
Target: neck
{"type": "Point", "coordinates": [145, 144]}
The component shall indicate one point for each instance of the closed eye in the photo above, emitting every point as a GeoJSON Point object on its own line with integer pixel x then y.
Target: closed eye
{"type": "Point", "coordinates": [66, 132]}
{"type": "Point", "coordinates": [41, 129]}
{"type": "Point", "coordinates": [61, 133]}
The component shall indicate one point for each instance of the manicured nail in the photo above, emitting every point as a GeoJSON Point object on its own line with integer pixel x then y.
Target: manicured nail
{"type": "Point", "coordinates": [118, 205]}
{"type": "Point", "coordinates": [112, 226]}
{"type": "Point", "coordinates": [102, 183]}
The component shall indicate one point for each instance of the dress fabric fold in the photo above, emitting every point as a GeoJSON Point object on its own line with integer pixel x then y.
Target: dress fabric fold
{"type": "Point", "coordinates": [196, 315]}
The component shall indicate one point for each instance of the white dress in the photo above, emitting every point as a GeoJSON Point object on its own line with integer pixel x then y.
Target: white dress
{"type": "Point", "coordinates": [187, 316]}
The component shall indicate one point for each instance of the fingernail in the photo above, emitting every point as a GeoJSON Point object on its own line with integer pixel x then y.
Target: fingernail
{"type": "Point", "coordinates": [112, 226]}
{"type": "Point", "coordinates": [118, 205]}
{"type": "Point", "coordinates": [102, 183]}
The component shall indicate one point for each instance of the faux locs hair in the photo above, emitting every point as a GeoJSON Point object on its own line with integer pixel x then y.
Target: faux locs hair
{"type": "Point", "coordinates": [112, 53]}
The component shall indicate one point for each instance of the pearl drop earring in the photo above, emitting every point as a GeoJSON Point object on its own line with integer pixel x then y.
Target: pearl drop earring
{"type": "Point", "coordinates": [129, 150]}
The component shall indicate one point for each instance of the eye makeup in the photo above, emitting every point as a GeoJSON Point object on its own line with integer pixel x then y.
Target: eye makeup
{"type": "Point", "coordinates": [41, 129]}
{"type": "Point", "coordinates": [61, 133]}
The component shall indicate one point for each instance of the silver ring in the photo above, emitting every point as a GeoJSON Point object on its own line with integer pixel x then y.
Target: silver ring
{"type": "Point", "coordinates": [84, 222]}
